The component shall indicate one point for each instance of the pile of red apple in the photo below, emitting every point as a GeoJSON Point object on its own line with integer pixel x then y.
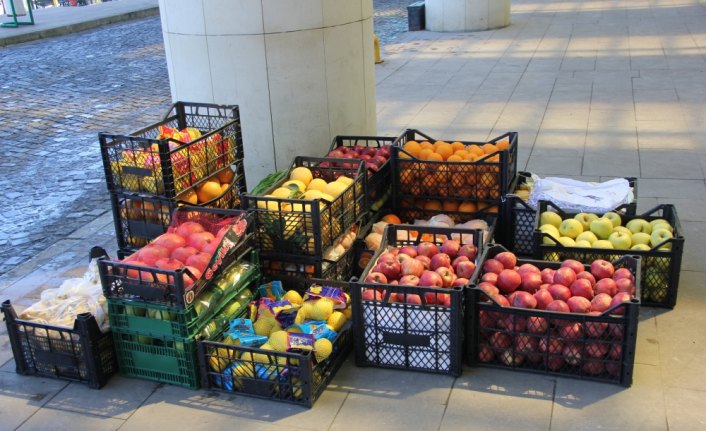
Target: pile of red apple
{"type": "Point", "coordinates": [515, 339]}
{"type": "Point", "coordinates": [188, 245]}
{"type": "Point", "coordinates": [426, 264]}
{"type": "Point", "coordinates": [374, 158]}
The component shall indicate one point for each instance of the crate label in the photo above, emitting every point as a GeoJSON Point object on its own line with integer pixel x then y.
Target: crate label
{"type": "Point", "coordinates": [406, 339]}
{"type": "Point", "coordinates": [272, 290]}
{"type": "Point", "coordinates": [333, 293]}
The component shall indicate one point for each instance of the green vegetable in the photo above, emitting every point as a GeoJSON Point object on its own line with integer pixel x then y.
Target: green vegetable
{"type": "Point", "coordinates": [268, 182]}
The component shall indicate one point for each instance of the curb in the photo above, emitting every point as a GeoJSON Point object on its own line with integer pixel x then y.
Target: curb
{"type": "Point", "coordinates": [77, 27]}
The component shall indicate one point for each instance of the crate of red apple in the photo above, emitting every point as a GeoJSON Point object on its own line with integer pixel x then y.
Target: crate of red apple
{"type": "Point", "coordinates": [408, 303]}
{"type": "Point", "coordinates": [570, 318]}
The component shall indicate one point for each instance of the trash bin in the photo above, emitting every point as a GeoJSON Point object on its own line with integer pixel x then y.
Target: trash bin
{"type": "Point", "coordinates": [20, 7]}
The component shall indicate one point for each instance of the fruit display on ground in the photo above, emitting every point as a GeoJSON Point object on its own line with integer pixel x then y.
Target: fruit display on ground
{"type": "Point", "coordinates": [374, 158]}
{"type": "Point", "coordinates": [568, 318]}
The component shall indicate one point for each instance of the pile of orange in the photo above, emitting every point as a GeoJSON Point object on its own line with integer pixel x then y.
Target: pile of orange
{"type": "Point", "coordinates": [442, 151]}
{"type": "Point", "coordinates": [210, 189]}
{"type": "Point", "coordinates": [453, 206]}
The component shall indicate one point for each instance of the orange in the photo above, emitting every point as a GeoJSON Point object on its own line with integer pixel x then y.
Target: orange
{"type": "Point", "coordinates": [426, 144]}
{"type": "Point", "coordinates": [445, 150]}
{"type": "Point", "coordinates": [475, 150]}
{"type": "Point", "coordinates": [425, 152]}
{"type": "Point", "coordinates": [470, 157]}
{"type": "Point", "coordinates": [435, 157]}
{"type": "Point", "coordinates": [432, 205]}
{"type": "Point", "coordinates": [189, 196]}
{"type": "Point", "coordinates": [391, 218]}
{"type": "Point", "coordinates": [225, 176]}
{"type": "Point", "coordinates": [412, 147]}
{"type": "Point", "coordinates": [224, 187]}
{"type": "Point", "coordinates": [489, 148]}
{"type": "Point", "coordinates": [458, 146]}
{"type": "Point", "coordinates": [437, 143]}
{"type": "Point", "coordinates": [468, 207]}
{"type": "Point", "coordinates": [462, 153]}
{"type": "Point", "coordinates": [208, 191]}
{"type": "Point", "coordinates": [449, 205]}
{"type": "Point", "coordinates": [503, 144]}
{"type": "Point", "coordinates": [454, 158]}
{"type": "Point", "coordinates": [429, 184]}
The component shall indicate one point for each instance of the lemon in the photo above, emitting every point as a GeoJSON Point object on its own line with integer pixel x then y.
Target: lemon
{"type": "Point", "coordinates": [278, 341]}
{"type": "Point", "coordinates": [345, 180]}
{"type": "Point", "coordinates": [282, 193]}
{"type": "Point", "coordinates": [322, 349]}
{"type": "Point", "coordinates": [322, 309]}
{"type": "Point", "coordinates": [300, 185]}
{"type": "Point", "coordinates": [334, 188]}
{"type": "Point", "coordinates": [316, 184]}
{"type": "Point", "coordinates": [293, 297]}
{"type": "Point", "coordinates": [336, 320]}
{"type": "Point", "coordinates": [302, 174]}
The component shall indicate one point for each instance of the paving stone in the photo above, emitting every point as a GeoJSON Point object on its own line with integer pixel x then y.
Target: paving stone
{"type": "Point", "coordinates": [22, 397]}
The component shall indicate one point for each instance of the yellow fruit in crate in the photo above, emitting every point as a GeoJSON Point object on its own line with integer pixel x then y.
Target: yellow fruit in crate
{"type": "Point", "coordinates": [293, 297]}
{"type": "Point", "coordinates": [334, 188]}
{"type": "Point", "coordinates": [322, 349]}
{"type": "Point", "coordinates": [189, 196]}
{"type": "Point", "coordinates": [208, 191]}
{"type": "Point", "coordinates": [269, 205]}
{"type": "Point", "coordinates": [317, 184]}
{"type": "Point", "coordinates": [265, 326]}
{"type": "Point", "coordinates": [300, 318]}
{"type": "Point", "coordinates": [258, 357]}
{"type": "Point", "coordinates": [311, 194]}
{"type": "Point", "coordinates": [282, 193]}
{"type": "Point", "coordinates": [321, 309]}
{"type": "Point", "coordinates": [302, 174]}
{"type": "Point", "coordinates": [300, 208]}
{"type": "Point", "coordinates": [345, 180]}
{"type": "Point", "coordinates": [278, 341]}
{"type": "Point", "coordinates": [336, 320]}
{"type": "Point", "coordinates": [300, 185]}
{"type": "Point", "coordinates": [348, 312]}
{"type": "Point", "coordinates": [221, 358]}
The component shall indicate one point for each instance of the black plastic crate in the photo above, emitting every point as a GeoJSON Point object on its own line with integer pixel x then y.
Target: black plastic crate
{"type": "Point", "coordinates": [82, 354]}
{"type": "Point", "coordinates": [594, 347]}
{"type": "Point", "coordinates": [139, 218]}
{"type": "Point", "coordinates": [379, 180]}
{"type": "Point", "coordinates": [307, 227]}
{"type": "Point", "coordinates": [143, 162]}
{"type": "Point", "coordinates": [660, 268]}
{"type": "Point", "coordinates": [130, 280]}
{"type": "Point", "coordinates": [420, 336]}
{"type": "Point", "coordinates": [423, 186]}
{"type": "Point", "coordinates": [518, 218]}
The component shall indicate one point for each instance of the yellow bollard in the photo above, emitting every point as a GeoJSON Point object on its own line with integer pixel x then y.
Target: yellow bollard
{"type": "Point", "coordinates": [376, 42]}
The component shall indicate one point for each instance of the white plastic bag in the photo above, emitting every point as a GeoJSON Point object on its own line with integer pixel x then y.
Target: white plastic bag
{"type": "Point", "coordinates": [579, 196]}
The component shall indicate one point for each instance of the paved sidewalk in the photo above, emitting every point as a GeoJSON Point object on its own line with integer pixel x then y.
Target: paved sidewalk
{"type": "Point", "coordinates": [596, 90]}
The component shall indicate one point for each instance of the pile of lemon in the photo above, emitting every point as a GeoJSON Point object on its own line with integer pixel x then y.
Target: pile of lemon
{"type": "Point", "coordinates": [302, 185]}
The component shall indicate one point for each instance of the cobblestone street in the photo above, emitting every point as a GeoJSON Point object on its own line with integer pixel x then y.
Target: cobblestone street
{"type": "Point", "coordinates": [56, 95]}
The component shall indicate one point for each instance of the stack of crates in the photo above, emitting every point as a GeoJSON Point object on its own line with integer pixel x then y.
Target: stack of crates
{"type": "Point", "coordinates": [151, 172]}
{"type": "Point", "coordinates": [297, 237]}
{"type": "Point", "coordinates": [157, 314]}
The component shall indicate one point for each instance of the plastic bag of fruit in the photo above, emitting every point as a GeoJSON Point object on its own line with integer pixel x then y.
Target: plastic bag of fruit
{"type": "Point", "coordinates": [581, 196]}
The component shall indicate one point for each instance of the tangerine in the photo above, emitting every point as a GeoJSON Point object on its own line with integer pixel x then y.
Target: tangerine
{"type": "Point", "coordinates": [454, 158]}
{"type": "Point", "coordinates": [433, 205]}
{"type": "Point", "coordinates": [457, 146]}
{"type": "Point", "coordinates": [412, 147]}
{"type": "Point", "coordinates": [489, 148]}
{"type": "Point", "coordinates": [468, 207]}
{"type": "Point", "coordinates": [425, 152]}
{"type": "Point", "coordinates": [391, 219]}
{"type": "Point", "coordinates": [503, 144]}
{"type": "Point", "coordinates": [445, 150]}
{"type": "Point", "coordinates": [437, 143]}
{"type": "Point", "coordinates": [435, 157]}
{"type": "Point", "coordinates": [449, 205]}
{"type": "Point", "coordinates": [208, 191]}
{"type": "Point", "coordinates": [427, 144]}
{"type": "Point", "coordinates": [475, 150]}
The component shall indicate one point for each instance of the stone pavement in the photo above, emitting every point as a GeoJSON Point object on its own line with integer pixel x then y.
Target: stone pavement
{"type": "Point", "coordinates": [596, 90]}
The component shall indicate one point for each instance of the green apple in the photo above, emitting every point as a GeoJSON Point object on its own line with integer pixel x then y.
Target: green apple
{"type": "Point", "coordinates": [585, 219]}
{"type": "Point", "coordinates": [583, 243]}
{"type": "Point", "coordinates": [570, 228]}
{"type": "Point", "coordinates": [622, 229]}
{"type": "Point", "coordinates": [657, 221]}
{"type": "Point", "coordinates": [641, 238]}
{"type": "Point", "coordinates": [566, 241]}
{"type": "Point", "coordinates": [643, 247]}
{"type": "Point", "coordinates": [620, 240]}
{"type": "Point", "coordinates": [602, 243]}
{"type": "Point", "coordinates": [602, 227]}
{"type": "Point", "coordinates": [663, 225]}
{"type": "Point", "coordinates": [550, 217]}
{"type": "Point", "coordinates": [639, 225]}
{"type": "Point", "coordinates": [587, 236]}
{"type": "Point", "coordinates": [549, 229]}
{"type": "Point", "coordinates": [660, 235]}
{"type": "Point", "coordinates": [614, 218]}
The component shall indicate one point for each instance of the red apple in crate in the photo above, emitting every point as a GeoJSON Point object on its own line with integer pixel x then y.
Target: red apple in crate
{"type": "Point", "coordinates": [601, 268]}
{"type": "Point", "coordinates": [513, 323]}
{"type": "Point", "coordinates": [525, 344]}
{"type": "Point", "coordinates": [527, 268]}
{"type": "Point", "coordinates": [509, 280]}
{"type": "Point", "coordinates": [616, 352]}
{"type": "Point", "coordinates": [211, 247]}
{"type": "Point", "coordinates": [450, 247]}
{"type": "Point", "coordinates": [573, 264]}
{"type": "Point", "coordinates": [500, 340]}
{"type": "Point", "coordinates": [571, 331]}
{"type": "Point", "coordinates": [458, 260]}
{"type": "Point", "coordinates": [389, 266]}
{"type": "Point", "coordinates": [554, 363]}
{"type": "Point", "coordinates": [492, 265]}
{"type": "Point", "coordinates": [376, 277]}
{"type": "Point", "coordinates": [198, 261]}
{"type": "Point", "coordinates": [573, 353]}
{"type": "Point", "coordinates": [564, 276]}
{"type": "Point", "coordinates": [490, 277]}
{"type": "Point", "coordinates": [524, 299]}
{"type": "Point", "coordinates": [537, 325]}
{"type": "Point", "coordinates": [199, 240]}
{"type": "Point", "coordinates": [372, 295]}
{"type": "Point", "coordinates": [409, 280]}
{"type": "Point", "coordinates": [168, 264]}
{"type": "Point", "coordinates": [625, 285]}
{"type": "Point", "coordinates": [460, 282]}
{"type": "Point", "coordinates": [409, 250]}
{"type": "Point", "coordinates": [427, 249]}
{"type": "Point", "coordinates": [485, 354]}
{"type": "Point", "coordinates": [621, 273]}
{"type": "Point", "coordinates": [543, 298]}
{"type": "Point", "coordinates": [183, 253]}
{"type": "Point", "coordinates": [170, 241]}
{"type": "Point", "coordinates": [488, 288]}
{"type": "Point", "coordinates": [151, 253]}
{"type": "Point", "coordinates": [607, 286]}
{"type": "Point", "coordinates": [616, 331]}
{"type": "Point", "coordinates": [508, 259]}
{"type": "Point", "coordinates": [593, 367]}
{"type": "Point", "coordinates": [447, 277]}
{"type": "Point", "coordinates": [618, 299]}
{"type": "Point", "coordinates": [579, 304]}
{"type": "Point", "coordinates": [582, 287]}
{"type": "Point", "coordinates": [597, 349]}
{"type": "Point", "coordinates": [511, 358]}
{"type": "Point", "coordinates": [486, 320]}
{"type": "Point", "coordinates": [411, 267]}
{"type": "Point", "coordinates": [468, 250]}
{"type": "Point", "coordinates": [587, 276]}
{"type": "Point", "coordinates": [379, 160]}
{"type": "Point", "coordinates": [548, 275]}
{"type": "Point", "coordinates": [430, 298]}
{"type": "Point", "coordinates": [440, 260]}
{"type": "Point", "coordinates": [443, 299]}
{"type": "Point", "coordinates": [188, 227]}
{"type": "Point", "coordinates": [601, 302]}
{"type": "Point", "coordinates": [559, 306]}
{"type": "Point", "coordinates": [189, 280]}
{"type": "Point", "coordinates": [595, 329]}
{"type": "Point", "coordinates": [394, 250]}
{"type": "Point", "coordinates": [393, 282]}
{"type": "Point", "coordinates": [530, 281]}
{"type": "Point", "coordinates": [413, 299]}
{"type": "Point", "coordinates": [559, 291]}
{"type": "Point", "coordinates": [401, 257]}
{"type": "Point", "coordinates": [466, 269]}
{"type": "Point", "coordinates": [430, 279]}
{"type": "Point", "coordinates": [426, 261]}
{"type": "Point", "coordinates": [551, 345]}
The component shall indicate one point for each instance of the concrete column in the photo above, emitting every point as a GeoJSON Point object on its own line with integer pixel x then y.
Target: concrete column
{"type": "Point", "coordinates": [302, 71]}
{"type": "Point", "coordinates": [466, 15]}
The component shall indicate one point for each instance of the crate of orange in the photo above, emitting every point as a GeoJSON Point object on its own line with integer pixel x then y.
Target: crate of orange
{"type": "Point", "coordinates": [192, 142]}
{"type": "Point", "coordinates": [458, 178]}
{"type": "Point", "coordinates": [139, 217]}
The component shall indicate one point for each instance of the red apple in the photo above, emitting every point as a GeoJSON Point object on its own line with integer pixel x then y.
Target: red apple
{"type": "Point", "coordinates": [564, 276]}
{"type": "Point", "coordinates": [490, 277]}
{"type": "Point", "coordinates": [586, 275]}
{"type": "Point", "coordinates": [468, 250]}
{"type": "Point", "coordinates": [413, 299]}
{"type": "Point", "coordinates": [593, 367]}
{"type": "Point", "coordinates": [199, 240]}
{"type": "Point", "coordinates": [595, 329]}
{"type": "Point", "coordinates": [524, 299]}
{"type": "Point", "coordinates": [488, 288]}
{"type": "Point", "coordinates": [558, 305]}
{"type": "Point", "coordinates": [601, 302]}
{"type": "Point", "coordinates": [508, 280]}
{"type": "Point", "coordinates": [183, 253]}
{"type": "Point", "coordinates": [458, 260]}
{"type": "Point", "coordinates": [151, 253]}
{"type": "Point", "coordinates": [537, 325]}
{"type": "Point", "coordinates": [426, 261]}
{"type": "Point", "coordinates": [618, 299]}
{"type": "Point", "coordinates": [623, 273]}
{"type": "Point", "coordinates": [168, 264]}
{"type": "Point", "coordinates": [597, 349]}
{"type": "Point", "coordinates": [528, 267]}
{"type": "Point", "coordinates": [430, 279]}
{"type": "Point", "coordinates": [447, 277]}
{"type": "Point", "coordinates": [485, 354]}
{"type": "Point", "coordinates": [372, 295]}
{"type": "Point", "coordinates": [582, 287]}
{"type": "Point", "coordinates": [500, 340]}
{"type": "Point", "coordinates": [625, 285]}
{"type": "Point", "coordinates": [547, 275]}
{"type": "Point", "coordinates": [508, 259]}
{"type": "Point", "coordinates": [573, 264]}
{"type": "Point", "coordinates": [606, 285]}
{"type": "Point", "coordinates": [460, 282]}
{"type": "Point", "coordinates": [443, 299]}
{"type": "Point", "coordinates": [530, 281]}
{"type": "Point", "coordinates": [525, 344]}
{"type": "Point", "coordinates": [191, 276]}
{"type": "Point", "coordinates": [412, 267]}
{"type": "Point", "coordinates": [211, 247]}
{"type": "Point", "coordinates": [571, 331]}
{"type": "Point", "coordinates": [376, 277]}
{"type": "Point", "coordinates": [409, 280]}
{"type": "Point", "coordinates": [579, 304]}
{"type": "Point", "coordinates": [573, 353]}
{"type": "Point", "coordinates": [559, 291]}
{"type": "Point", "coordinates": [466, 269]}
{"type": "Point", "coordinates": [409, 250]}
{"type": "Point", "coordinates": [188, 227]}
{"type": "Point", "coordinates": [440, 260]}
{"type": "Point", "coordinates": [601, 268]}
{"type": "Point", "coordinates": [170, 241]}
{"type": "Point", "coordinates": [543, 298]}
{"type": "Point", "coordinates": [389, 266]}
{"type": "Point", "coordinates": [401, 257]}
{"type": "Point", "coordinates": [198, 261]}
{"type": "Point", "coordinates": [616, 352]}
{"type": "Point", "coordinates": [450, 247]}
{"type": "Point", "coordinates": [501, 300]}
{"type": "Point", "coordinates": [492, 265]}
{"type": "Point", "coordinates": [427, 249]}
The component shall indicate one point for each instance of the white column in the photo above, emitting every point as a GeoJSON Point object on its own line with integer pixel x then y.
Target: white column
{"type": "Point", "coordinates": [302, 71]}
{"type": "Point", "coordinates": [466, 15]}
